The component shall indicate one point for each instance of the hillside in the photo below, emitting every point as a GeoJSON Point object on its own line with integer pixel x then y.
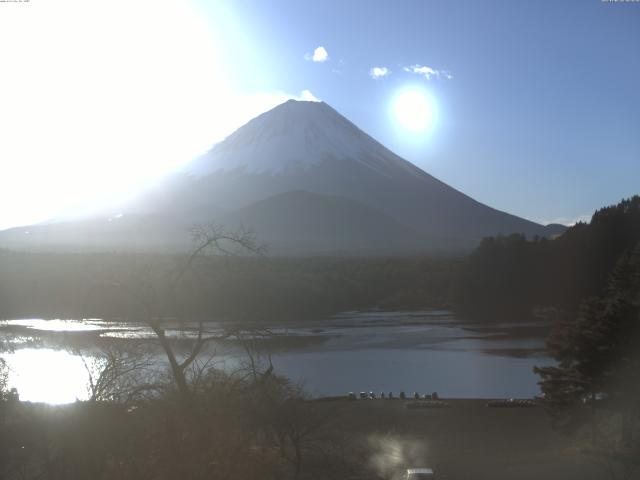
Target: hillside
{"type": "Point", "coordinates": [511, 274]}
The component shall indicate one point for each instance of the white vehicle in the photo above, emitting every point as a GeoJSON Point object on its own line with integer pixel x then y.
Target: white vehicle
{"type": "Point", "coordinates": [420, 474]}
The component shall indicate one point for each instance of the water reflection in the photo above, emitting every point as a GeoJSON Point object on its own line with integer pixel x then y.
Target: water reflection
{"type": "Point", "coordinates": [47, 375]}
{"type": "Point", "coordinates": [380, 351]}
{"type": "Point", "coordinates": [107, 328]}
{"type": "Point", "coordinates": [58, 325]}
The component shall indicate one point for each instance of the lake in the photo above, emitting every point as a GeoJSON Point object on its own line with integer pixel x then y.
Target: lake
{"type": "Point", "coordinates": [423, 351]}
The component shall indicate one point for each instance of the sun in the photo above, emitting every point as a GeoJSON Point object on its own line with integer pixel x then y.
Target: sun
{"type": "Point", "coordinates": [100, 96]}
{"type": "Point", "coordinates": [414, 109]}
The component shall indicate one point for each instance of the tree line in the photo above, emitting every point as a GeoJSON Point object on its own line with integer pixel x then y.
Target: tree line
{"type": "Point", "coordinates": [590, 277]}
{"type": "Point", "coordinates": [593, 392]}
{"type": "Point", "coordinates": [259, 289]}
{"type": "Point", "coordinates": [511, 275]}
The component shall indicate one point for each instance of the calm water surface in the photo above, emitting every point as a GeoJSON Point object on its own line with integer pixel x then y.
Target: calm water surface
{"type": "Point", "coordinates": [356, 351]}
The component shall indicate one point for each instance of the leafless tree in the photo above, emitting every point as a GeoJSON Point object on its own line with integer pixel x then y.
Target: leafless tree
{"type": "Point", "coordinates": [4, 377]}
{"type": "Point", "coordinates": [120, 373]}
{"type": "Point", "coordinates": [157, 300]}
{"type": "Point", "coordinates": [300, 426]}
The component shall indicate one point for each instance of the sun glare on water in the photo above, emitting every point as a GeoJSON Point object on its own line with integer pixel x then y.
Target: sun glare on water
{"type": "Point", "coordinates": [46, 375]}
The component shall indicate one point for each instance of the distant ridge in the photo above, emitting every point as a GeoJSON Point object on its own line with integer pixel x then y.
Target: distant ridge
{"type": "Point", "coordinates": [328, 224]}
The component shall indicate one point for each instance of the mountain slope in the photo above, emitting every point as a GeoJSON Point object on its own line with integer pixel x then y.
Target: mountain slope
{"type": "Point", "coordinates": [308, 181]}
{"type": "Point", "coordinates": [309, 146]}
{"type": "Point", "coordinates": [298, 135]}
{"type": "Point", "coordinates": [299, 221]}
{"type": "Point", "coordinates": [127, 232]}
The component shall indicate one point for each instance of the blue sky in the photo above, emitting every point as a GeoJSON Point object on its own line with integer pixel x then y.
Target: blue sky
{"type": "Point", "coordinates": [536, 104]}
{"type": "Point", "coordinates": [541, 117]}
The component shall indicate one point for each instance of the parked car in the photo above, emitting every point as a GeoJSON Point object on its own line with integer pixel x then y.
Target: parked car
{"type": "Point", "coordinates": [420, 474]}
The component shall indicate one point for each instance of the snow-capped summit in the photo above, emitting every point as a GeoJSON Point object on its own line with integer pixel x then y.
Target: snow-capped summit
{"type": "Point", "coordinates": [297, 135]}
{"type": "Point", "coordinates": [309, 146]}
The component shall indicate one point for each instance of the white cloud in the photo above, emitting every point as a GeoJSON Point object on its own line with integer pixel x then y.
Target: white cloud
{"type": "Point", "coordinates": [585, 218]}
{"type": "Point", "coordinates": [568, 221]}
{"type": "Point", "coordinates": [428, 72]}
{"type": "Point", "coordinates": [320, 54]}
{"type": "Point", "coordinates": [307, 96]}
{"type": "Point", "coordinates": [379, 72]}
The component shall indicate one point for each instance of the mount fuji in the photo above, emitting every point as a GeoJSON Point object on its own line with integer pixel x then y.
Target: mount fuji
{"type": "Point", "coordinates": [307, 181]}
